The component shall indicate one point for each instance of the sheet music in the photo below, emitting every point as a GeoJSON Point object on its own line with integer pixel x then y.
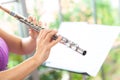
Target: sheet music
{"type": "Point", "coordinates": [97, 40]}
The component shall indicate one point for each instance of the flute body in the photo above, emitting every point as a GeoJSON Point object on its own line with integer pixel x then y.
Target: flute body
{"type": "Point", "coordinates": [64, 40]}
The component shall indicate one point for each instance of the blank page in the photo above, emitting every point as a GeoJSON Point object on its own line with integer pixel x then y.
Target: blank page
{"type": "Point", "coordinates": [97, 40]}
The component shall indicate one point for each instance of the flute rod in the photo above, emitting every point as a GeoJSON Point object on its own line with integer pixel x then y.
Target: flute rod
{"type": "Point", "coordinates": [64, 40]}
{"type": "Point", "coordinates": [24, 20]}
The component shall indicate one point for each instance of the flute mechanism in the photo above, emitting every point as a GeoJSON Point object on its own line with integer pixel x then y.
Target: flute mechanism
{"type": "Point", "coordinates": [64, 40]}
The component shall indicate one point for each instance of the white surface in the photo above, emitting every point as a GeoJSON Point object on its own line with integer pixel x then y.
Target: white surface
{"type": "Point", "coordinates": [97, 40]}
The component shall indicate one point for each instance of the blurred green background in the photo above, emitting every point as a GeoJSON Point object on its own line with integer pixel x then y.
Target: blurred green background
{"type": "Point", "coordinates": [107, 13]}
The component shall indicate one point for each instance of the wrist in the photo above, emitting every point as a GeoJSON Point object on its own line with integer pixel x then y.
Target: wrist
{"type": "Point", "coordinates": [37, 59]}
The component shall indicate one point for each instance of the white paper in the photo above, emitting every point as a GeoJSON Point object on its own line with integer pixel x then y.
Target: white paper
{"type": "Point", "coordinates": [97, 40]}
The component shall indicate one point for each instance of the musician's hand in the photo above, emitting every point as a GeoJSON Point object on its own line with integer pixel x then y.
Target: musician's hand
{"type": "Point", "coordinates": [32, 32]}
{"type": "Point", "coordinates": [45, 43]}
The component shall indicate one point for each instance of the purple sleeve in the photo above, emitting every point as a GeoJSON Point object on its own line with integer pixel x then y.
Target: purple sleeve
{"type": "Point", "coordinates": [3, 55]}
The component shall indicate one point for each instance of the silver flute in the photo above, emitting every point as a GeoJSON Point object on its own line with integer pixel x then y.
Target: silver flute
{"type": "Point", "coordinates": [37, 28]}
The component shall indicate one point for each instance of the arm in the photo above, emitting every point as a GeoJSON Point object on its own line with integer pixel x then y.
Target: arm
{"type": "Point", "coordinates": [21, 45]}
{"type": "Point", "coordinates": [20, 71]}
{"type": "Point", "coordinates": [17, 44]}
{"type": "Point", "coordinates": [44, 44]}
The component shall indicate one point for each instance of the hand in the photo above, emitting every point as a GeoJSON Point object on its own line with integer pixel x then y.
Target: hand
{"type": "Point", "coordinates": [45, 43]}
{"type": "Point", "coordinates": [32, 32]}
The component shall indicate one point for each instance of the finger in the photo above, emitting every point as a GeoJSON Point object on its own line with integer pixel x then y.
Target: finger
{"type": "Point", "coordinates": [44, 32]}
{"type": "Point", "coordinates": [35, 21]}
{"type": "Point", "coordinates": [44, 25]}
{"type": "Point", "coordinates": [50, 35]}
{"type": "Point", "coordinates": [40, 23]}
{"type": "Point", "coordinates": [40, 35]}
{"type": "Point", "coordinates": [30, 19]}
{"type": "Point", "coordinates": [54, 42]}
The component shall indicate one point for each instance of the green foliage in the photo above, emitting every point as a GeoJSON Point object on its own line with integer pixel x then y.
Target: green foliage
{"type": "Point", "coordinates": [77, 14]}
{"type": "Point", "coordinates": [104, 12]}
{"type": "Point", "coordinates": [14, 60]}
{"type": "Point", "coordinates": [55, 25]}
{"type": "Point", "coordinates": [53, 75]}
{"type": "Point", "coordinates": [75, 76]}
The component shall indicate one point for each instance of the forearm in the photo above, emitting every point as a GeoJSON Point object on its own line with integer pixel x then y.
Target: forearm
{"type": "Point", "coordinates": [21, 71]}
{"type": "Point", "coordinates": [28, 45]}
{"type": "Point", "coordinates": [18, 45]}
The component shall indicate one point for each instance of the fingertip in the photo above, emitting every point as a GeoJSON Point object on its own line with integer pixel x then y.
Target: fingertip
{"type": "Point", "coordinates": [34, 19]}
{"type": "Point", "coordinates": [30, 18]}
{"type": "Point", "coordinates": [45, 24]}
{"type": "Point", "coordinates": [55, 30]}
{"type": "Point", "coordinates": [60, 37]}
{"type": "Point", "coordinates": [40, 24]}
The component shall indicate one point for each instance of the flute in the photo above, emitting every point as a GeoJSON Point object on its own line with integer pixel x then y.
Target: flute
{"type": "Point", "coordinates": [37, 28]}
